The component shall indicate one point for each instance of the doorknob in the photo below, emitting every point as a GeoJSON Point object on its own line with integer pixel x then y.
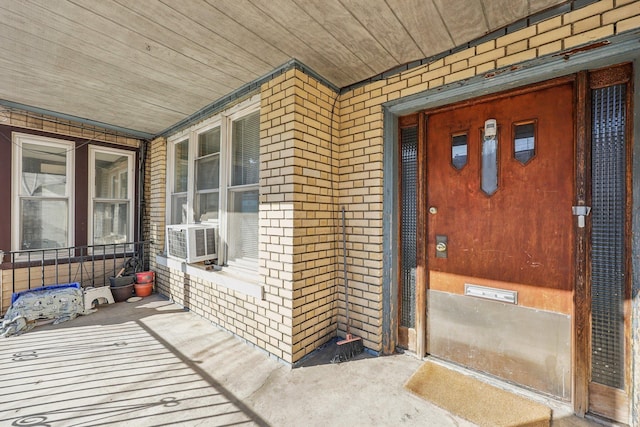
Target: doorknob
{"type": "Point", "coordinates": [441, 246]}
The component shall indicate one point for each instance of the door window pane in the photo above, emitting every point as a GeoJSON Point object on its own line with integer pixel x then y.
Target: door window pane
{"type": "Point", "coordinates": [524, 142]}
{"type": "Point", "coordinates": [459, 151]}
{"type": "Point", "coordinates": [489, 177]}
{"type": "Point", "coordinates": [409, 225]}
{"type": "Point", "coordinates": [609, 236]}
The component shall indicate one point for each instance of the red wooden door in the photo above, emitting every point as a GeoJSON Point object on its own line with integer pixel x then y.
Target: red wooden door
{"type": "Point", "coordinates": [500, 228]}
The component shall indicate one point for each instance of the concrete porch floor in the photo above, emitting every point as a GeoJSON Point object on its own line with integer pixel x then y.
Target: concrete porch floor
{"type": "Point", "coordinates": [152, 363]}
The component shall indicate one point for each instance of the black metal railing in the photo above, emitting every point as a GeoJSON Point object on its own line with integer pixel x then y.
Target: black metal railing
{"type": "Point", "coordinates": [89, 265]}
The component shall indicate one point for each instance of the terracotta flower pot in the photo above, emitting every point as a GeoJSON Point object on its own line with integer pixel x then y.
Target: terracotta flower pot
{"type": "Point", "coordinates": [143, 289]}
{"type": "Point", "coordinates": [144, 277]}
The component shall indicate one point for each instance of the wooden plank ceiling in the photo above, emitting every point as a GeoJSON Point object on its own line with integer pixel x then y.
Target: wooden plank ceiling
{"type": "Point", "coordinates": [145, 65]}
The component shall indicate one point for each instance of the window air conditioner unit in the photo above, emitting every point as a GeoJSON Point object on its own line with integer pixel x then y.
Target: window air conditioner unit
{"type": "Point", "coordinates": [192, 242]}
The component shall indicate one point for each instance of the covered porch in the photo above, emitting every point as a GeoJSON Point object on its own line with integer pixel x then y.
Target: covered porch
{"type": "Point", "coordinates": [153, 363]}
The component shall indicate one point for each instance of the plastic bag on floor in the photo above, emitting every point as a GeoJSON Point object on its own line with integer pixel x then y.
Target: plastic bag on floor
{"type": "Point", "coordinates": [59, 305]}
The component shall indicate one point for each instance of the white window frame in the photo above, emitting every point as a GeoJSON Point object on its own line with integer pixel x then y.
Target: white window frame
{"type": "Point", "coordinates": [17, 154]}
{"type": "Point", "coordinates": [225, 121]}
{"type": "Point", "coordinates": [93, 150]}
{"type": "Point", "coordinates": [221, 156]}
{"type": "Point", "coordinates": [227, 171]}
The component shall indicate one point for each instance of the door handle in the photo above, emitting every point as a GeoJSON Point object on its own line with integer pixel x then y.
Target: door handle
{"type": "Point", "coordinates": [441, 247]}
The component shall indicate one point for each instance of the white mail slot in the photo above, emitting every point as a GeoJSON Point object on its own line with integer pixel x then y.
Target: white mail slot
{"type": "Point", "coordinates": [502, 295]}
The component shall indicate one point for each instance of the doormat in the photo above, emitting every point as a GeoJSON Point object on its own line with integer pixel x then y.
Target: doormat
{"type": "Point", "coordinates": [474, 400]}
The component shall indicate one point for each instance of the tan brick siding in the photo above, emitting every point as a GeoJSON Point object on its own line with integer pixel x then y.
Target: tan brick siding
{"type": "Point", "coordinates": [314, 162]}
{"type": "Point", "coordinates": [298, 214]}
{"type": "Point", "coordinates": [242, 315]}
{"type": "Point", "coordinates": [42, 122]}
{"type": "Point", "coordinates": [361, 133]}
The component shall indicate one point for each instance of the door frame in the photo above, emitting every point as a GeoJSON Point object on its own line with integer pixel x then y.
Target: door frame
{"type": "Point", "coordinates": [619, 49]}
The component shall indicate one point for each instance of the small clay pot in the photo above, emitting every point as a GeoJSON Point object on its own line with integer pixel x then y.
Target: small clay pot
{"type": "Point", "coordinates": [144, 277]}
{"type": "Point", "coordinates": [143, 289]}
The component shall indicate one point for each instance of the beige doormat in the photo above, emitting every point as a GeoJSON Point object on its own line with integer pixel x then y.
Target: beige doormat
{"type": "Point", "coordinates": [474, 400]}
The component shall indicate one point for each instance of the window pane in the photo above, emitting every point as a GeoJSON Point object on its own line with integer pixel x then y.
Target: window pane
{"type": "Point", "coordinates": [207, 206]}
{"type": "Point", "coordinates": [243, 225]}
{"type": "Point", "coordinates": [524, 142]}
{"type": "Point", "coordinates": [111, 176]}
{"type": "Point", "coordinates": [181, 166]}
{"type": "Point", "coordinates": [44, 224]}
{"type": "Point", "coordinates": [208, 173]}
{"type": "Point", "coordinates": [124, 185]}
{"type": "Point", "coordinates": [459, 151]}
{"type": "Point", "coordinates": [179, 209]}
{"type": "Point", "coordinates": [489, 165]}
{"type": "Point", "coordinates": [110, 222]}
{"type": "Point", "coordinates": [245, 159]}
{"type": "Point", "coordinates": [209, 142]}
{"type": "Point", "coordinates": [44, 170]}
{"type": "Point", "coordinates": [409, 225]}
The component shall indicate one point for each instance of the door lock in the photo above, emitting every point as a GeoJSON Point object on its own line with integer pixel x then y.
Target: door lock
{"type": "Point", "coordinates": [581, 212]}
{"type": "Point", "coordinates": [441, 246]}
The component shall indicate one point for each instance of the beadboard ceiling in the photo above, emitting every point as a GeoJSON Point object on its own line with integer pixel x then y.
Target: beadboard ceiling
{"type": "Point", "coordinates": [147, 64]}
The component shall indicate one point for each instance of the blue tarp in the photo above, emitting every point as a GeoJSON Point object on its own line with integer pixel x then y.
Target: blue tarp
{"type": "Point", "coordinates": [57, 302]}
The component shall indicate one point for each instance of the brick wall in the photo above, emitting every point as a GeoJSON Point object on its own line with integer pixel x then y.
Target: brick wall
{"type": "Point", "coordinates": [44, 123]}
{"type": "Point", "coordinates": [156, 163]}
{"type": "Point", "coordinates": [361, 127]}
{"type": "Point", "coordinates": [298, 210]}
{"type": "Point", "coordinates": [242, 315]}
{"type": "Point", "coordinates": [298, 227]}
{"type": "Point", "coordinates": [308, 174]}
